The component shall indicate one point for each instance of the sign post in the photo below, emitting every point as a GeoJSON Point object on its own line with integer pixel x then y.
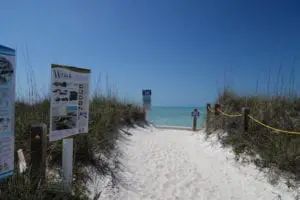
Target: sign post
{"type": "Point", "coordinates": [146, 101]}
{"type": "Point", "coordinates": [67, 164]}
{"type": "Point", "coordinates": [69, 111]}
{"type": "Point", "coordinates": [195, 115]}
{"type": "Point", "coordinates": [7, 110]}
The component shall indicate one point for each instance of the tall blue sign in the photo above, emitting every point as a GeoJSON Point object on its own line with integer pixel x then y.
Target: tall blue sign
{"type": "Point", "coordinates": [147, 99]}
{"type": "Point", "coordinates": [7, 110]}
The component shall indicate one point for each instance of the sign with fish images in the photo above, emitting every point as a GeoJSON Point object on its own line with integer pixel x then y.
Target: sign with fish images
{"type": "Point", "coordinates": [147, 99]}
{"type": "Point", "coordinates": [69, 113]}
{"type": "Point", "coordinates": [7, 110]}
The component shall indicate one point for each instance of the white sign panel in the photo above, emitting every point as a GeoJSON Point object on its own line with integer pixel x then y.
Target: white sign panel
{"type": "Point", "coordinates": [69, 113]}
{"type": "Point", "coordinates": [7, 110]}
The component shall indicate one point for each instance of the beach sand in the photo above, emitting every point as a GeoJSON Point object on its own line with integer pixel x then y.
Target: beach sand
{"type": "Point", "coordinates": [175, 164]}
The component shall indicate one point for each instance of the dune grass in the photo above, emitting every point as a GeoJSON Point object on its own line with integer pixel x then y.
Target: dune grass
{"type": "Point", "coordinates": [107, 116]}
{"type": "Point", "coordinates": [267, 148]}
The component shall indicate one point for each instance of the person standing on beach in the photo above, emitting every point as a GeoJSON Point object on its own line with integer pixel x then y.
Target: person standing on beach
{"type": "Point", "coordinates": [195, 115]}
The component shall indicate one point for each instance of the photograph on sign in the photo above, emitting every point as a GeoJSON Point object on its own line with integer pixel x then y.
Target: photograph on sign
{"type": "Point", "coordinates": [65, 119]}
{"type": "Point", "coordinates": [7, 105]}
{"type": "Point", "coordinates": [69, 101]}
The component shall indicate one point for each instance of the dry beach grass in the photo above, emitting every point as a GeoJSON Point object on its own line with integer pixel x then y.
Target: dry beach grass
{"type": "Point", "coordinates": [268, 149]}
{"type": "Point", "coordinates": [107, 116]}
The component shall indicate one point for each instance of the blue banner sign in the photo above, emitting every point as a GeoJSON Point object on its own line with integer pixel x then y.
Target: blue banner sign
{"type": "Point", "coordinates": [7, 110]}
{"type": "Point", "coordinates": [147, 92]}
{"type": "Point", "coordinates": [147, 99]}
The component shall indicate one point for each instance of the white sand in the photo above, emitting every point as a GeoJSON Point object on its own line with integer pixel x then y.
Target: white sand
{"type": "Point", "coordinates": [180, 164]}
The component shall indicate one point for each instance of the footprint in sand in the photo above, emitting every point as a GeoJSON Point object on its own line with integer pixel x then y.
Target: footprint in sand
{"type": "Point", "coordinates": [168, 176]}
{"type": "Point", "coordinates": [160, 166]}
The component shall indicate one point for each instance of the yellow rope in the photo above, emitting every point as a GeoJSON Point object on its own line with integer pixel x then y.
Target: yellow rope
{"type": "Point", "coordinates": [228, 115]}
{"type": "Point", "coordinates": [274, 129]}
{"type": "Point", "coordinates": [257, 121]}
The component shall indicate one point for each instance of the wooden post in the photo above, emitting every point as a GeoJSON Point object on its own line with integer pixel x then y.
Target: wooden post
{"type": "Point", "coordinates": [38, 151]}
{"type": "Point", "coordinates": [217, 107]}
{"type": "Point", "coordinates": [245, 112]}
{"type": "Point", "coordinates": [208, 109]}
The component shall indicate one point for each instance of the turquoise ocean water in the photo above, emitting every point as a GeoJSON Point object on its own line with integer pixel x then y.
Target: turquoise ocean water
{"type": "Point", "coordinates": [175, 116]}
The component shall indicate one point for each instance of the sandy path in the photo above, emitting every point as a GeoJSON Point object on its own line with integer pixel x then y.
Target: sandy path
{"type": "Point", "coordinates": [178, 164]}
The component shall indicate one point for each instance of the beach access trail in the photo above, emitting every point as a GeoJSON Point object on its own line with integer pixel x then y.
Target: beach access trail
{"type": "Point", "coordinates": [172, 164]}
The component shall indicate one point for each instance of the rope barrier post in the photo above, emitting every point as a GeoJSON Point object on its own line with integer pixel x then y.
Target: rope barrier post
{"type": "Point", "coordinates": [217, 107]}
{"type": "Point", "coordinates": [38, 145]}
{"type": "Point", "coordinates": [245, 112]}
{"type": "Point", "coordinates": [208, 108]}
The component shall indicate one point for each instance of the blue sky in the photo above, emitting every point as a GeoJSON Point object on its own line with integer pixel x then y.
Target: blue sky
{"type": "Point", "coordinates": [185, 51]}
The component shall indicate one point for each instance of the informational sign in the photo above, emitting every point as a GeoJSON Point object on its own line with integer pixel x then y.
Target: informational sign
{"type": "Point", "coordinates": [147, 99]}
{"type": "Point", "coordinates": [7, 110]}
{"type": "Point", "coordinates": [69, 113]}
{"type": "Point", "coordinates": [195, 113]}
